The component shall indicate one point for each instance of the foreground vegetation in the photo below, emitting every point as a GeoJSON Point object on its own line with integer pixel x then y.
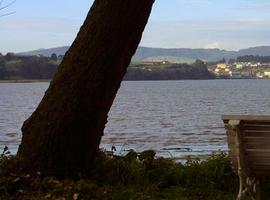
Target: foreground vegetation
{"type": "Point", "coordinates": [134, 176]}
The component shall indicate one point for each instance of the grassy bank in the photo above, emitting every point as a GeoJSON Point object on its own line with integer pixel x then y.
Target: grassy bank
{"type": "Point", "coordinates": [134, 176]}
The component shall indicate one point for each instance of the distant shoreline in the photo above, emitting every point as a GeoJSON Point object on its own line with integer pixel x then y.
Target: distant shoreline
{"type": "Point", "coordinates": [47, 80]}
{"type": "Point", "coordinates": [25, 81]}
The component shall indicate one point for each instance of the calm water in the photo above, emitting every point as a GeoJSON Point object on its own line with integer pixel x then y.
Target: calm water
{"type": "Point", "coordinates": [176, 118]}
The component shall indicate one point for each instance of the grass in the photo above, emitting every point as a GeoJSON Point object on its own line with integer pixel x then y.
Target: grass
{"type": "Point", "coordinates": [13, 62]}
{"type": "Point", "coordinates": [134, 176]}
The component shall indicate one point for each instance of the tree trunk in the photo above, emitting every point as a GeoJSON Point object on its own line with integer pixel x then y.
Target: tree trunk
{"type": "Point", "coordinates": [63, 135]}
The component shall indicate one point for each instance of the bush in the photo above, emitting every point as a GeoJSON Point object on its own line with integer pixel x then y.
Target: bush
{"type": "Point", "coordinates": [134, 176]}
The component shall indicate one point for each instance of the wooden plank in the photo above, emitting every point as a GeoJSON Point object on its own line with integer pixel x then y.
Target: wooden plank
{"type": "Point", "coordinates": [257, 133]}
{"type": "Point", "coordinates": [255, 168]}
{"type": "Point", "coordinates": [261, 151]}
{"type": "Point", "coordinates": [251, 155]}
{"type": "Point", "coordinates": [257, 155]}
{"type": "Point", "coordinates": [244, 123]}
{"type": "Point", "coordinates": [246, 117]}
{"type": "Point", "coordinates": [260, 164]}
{"type": "Point", "coordinates": [259, 160]}
{"type": "Point", "coordinates": [255, 128]}
{"type": "Point", "coordinates": [256, 140]}
{"type": "Point", "coordinates": [258, 168]}
{"type": "Point", "coordinates": [255, 159]}
{"type": "Point", "coordinates": [252, 165]}
{"type": "Point", "coordinates": [262, 173]}
{"type": "Point", "coordinates": [250, 146]}
{"type": "Point", "coordinates": [257, 144]}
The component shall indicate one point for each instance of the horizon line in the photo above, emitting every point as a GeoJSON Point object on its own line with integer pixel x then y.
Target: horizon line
{"type": "Point", "coordinates": [144, 46]}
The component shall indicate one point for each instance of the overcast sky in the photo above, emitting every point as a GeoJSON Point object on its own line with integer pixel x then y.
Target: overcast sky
{"type": "Point", "coordinates": [225, 24]}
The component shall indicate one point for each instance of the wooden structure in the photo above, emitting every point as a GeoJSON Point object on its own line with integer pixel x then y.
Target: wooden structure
{"type": "Point", "coordinates": [249, 149]}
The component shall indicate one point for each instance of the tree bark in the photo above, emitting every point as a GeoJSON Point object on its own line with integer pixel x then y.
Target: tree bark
{"type": "Point", "coordinates": [62, 136]}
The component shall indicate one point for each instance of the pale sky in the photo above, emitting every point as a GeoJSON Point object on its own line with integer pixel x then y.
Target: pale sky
{"type": "Point", "coordinates": [224, 24]}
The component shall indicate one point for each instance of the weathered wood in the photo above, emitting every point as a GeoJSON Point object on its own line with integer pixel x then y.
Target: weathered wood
{"type": "Point", "coordinates": [258, 146]}
{"type": "Point", "coordinates": [261, 118]}
{"type": "Point", "coordinates": [256, 140]}
{"type": "Point", "coordinates": [249, 149]}
{"type": "Point", "coordinates": [261, 163]}
{"type": "Point", "coordinates": [261, 151]}
{"type": "Point", "coordinates": [257, 133]}
{"type": "Point", "coordinates": [259, 127]}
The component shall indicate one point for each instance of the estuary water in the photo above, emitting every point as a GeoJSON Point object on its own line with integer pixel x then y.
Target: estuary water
{"type": "Point", "coordinates": [175, 118]}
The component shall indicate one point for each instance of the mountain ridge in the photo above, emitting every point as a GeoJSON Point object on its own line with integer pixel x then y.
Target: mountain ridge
{"type": "Point", "coordinates": [151, 53]}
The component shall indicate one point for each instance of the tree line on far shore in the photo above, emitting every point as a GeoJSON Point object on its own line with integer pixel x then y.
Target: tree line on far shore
{"type": "Point", "coordinates": [169, 71]}
{"type": "Point", "coordinates": [245, 58]}
{"type": "Point", "coordinates": [251, 58]}
{"type": "Point", "coordinates": [17, 67]}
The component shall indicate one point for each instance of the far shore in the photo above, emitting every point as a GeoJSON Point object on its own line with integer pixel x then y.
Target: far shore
{"type": "Point", "coordinates": [49, 80]}
{"type": "Point", "coordinates": [25, 81]}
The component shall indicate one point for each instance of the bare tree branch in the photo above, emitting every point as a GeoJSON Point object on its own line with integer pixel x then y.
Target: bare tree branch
{"type": "Point", "coordinates": [4, 6]}
{"type": "Point", "coordinates": [6, 14]}
{"type": "Point", "coordinates": [7, 5]}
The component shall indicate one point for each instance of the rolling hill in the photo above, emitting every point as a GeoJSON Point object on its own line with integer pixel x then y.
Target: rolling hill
{"type": "Point", "coordinates": [172, 55]}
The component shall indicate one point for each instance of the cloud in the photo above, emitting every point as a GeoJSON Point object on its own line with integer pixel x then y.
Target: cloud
{"type": "Point", "coordinates": [194, 1]}
{"type": "Point", "coordinates": [58, 25]}
{"type": "Point", "coordinates": [246, 24]}
{"type": "Point", "coordinates": [214, 45]}
{"type": "Point", "coordinates": [19, 35]}
{"type": "Point", "coordinates": [24, 34]}
{"type": "Point", "coordinates": [250, 5]}
{"type": "Point", "coordinates": [225, 34]}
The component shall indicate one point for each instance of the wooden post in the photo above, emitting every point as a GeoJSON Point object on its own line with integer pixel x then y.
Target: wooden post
{"type": "Point", "coordinates": [247, 182]}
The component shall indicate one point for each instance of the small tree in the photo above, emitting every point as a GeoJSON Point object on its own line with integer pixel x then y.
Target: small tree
{"type": "Point", "coordinates": [10, 56]}
{"type": "Point", "coordinates": [54, 57]}
{"type": "Point", "coordinates": [2, 69]}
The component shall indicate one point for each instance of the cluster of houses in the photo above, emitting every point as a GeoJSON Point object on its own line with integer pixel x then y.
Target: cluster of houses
{"type": "Point", "coordinates": [155, 62]}
{"type": "Point", "coordinates": [241, 70]}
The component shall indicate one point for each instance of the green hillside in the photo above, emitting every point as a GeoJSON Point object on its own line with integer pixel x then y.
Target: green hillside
{"type": "Point", "coordinates": [175, 55]}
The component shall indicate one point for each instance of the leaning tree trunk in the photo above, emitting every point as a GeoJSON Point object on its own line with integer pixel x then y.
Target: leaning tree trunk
{"type": "Point", "coordinates": [63, 135]}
